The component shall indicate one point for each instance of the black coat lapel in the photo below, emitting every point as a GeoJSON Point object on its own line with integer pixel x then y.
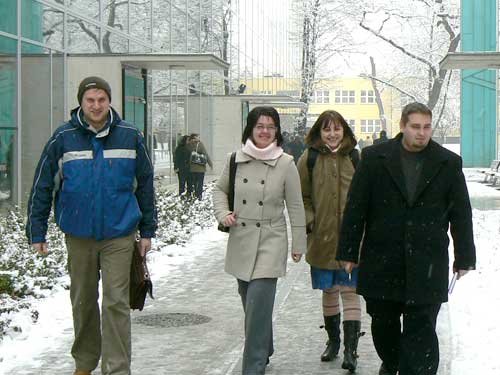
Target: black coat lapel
{"type": "Point", "coordinates": [393, 164]}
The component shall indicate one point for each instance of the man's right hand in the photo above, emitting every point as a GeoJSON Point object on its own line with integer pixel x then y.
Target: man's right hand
{"type": "Point", "coordinates": [41, 248]}
{"type": "Point", "coordinates": [348, 266]}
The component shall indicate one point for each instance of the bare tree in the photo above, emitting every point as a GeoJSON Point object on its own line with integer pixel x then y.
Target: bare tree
{"type": "Point", "coordinates": [422, 55]}
{"type": "Point", "coordinates": [324, 35]}
{"type": "Point", "coordinates": [378, 98]}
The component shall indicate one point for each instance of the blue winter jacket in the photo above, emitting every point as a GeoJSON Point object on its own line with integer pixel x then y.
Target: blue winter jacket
{"type": "Point", "coordinates": [103, 182]}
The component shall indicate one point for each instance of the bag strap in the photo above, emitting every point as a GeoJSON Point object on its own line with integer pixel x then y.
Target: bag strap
{"type": "Point", "coordinates": [232, 180]}
{"type": "Point", "coordinates": [354, 156]}
{"type": "Point", "coordinates": [312, 155]}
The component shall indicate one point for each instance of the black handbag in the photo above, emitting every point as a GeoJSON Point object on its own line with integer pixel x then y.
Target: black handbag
{"type": "Point", "coordinates": [140, 280]}
{"type": "Point", "coordinates": [230, 196]}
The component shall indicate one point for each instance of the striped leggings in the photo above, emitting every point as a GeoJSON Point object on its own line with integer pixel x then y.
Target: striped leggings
{"type": "Point", "coordinates": [351, 302]}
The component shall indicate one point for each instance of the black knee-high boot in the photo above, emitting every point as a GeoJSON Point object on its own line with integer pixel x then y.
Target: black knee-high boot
{"type": "Point", "coordinates": [352, 333]}
{"type": "Point", "coordinates": [332, 327]}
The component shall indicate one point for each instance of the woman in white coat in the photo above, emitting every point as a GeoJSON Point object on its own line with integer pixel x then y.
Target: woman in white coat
{"type": "Point", "coordinates": [266, 179]}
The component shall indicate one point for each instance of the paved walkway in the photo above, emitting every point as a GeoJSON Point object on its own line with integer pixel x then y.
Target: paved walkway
{"type": "Point", "coordinates": [215, 347]}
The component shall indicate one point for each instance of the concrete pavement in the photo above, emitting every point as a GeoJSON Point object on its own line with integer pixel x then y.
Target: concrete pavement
{"type": "Point", "coordinates": [163, 342]}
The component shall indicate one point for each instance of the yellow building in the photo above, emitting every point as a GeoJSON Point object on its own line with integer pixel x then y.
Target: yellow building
{"type": "Point", "coordinates": [353, 97]}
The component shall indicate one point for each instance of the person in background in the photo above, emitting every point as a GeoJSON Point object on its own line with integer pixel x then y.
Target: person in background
{"type": "Point", "coordinates": [382, 138]}
{"type": "Point", "coordinates": [197, 170]}
{"type": "Point", "coordinates": [257, 248]}
{"type": "Point", "coordinates": [182, 164]}
{"type": "Point", "coordinates": [296, 148]}
{"type": "Point", "coordinates": [361, 144]}
{"type": "Point", "coordinates": [368, 141]}
{"type": "Point", "coordinates": [405, 195]}
{"type": "Point", "coordinates": [325, 185]}
{"type": "Point", "coordinates": [99, 170]}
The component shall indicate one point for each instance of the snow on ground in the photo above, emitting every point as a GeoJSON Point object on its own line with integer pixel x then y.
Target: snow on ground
{"type": "Point", "coordinates": [55, 311]}
{"type": "Point", "coordinates": [474, 303]}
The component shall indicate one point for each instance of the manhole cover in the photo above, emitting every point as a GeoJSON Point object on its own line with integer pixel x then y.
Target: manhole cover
{"type": "Point", "coordinates": [171, 320]}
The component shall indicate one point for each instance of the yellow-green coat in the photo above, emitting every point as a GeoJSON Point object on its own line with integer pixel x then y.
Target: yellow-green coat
{"type": "Point", "coordinates": [324, 199]}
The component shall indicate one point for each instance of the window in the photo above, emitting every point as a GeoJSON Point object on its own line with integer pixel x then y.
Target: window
{"type": "Point", "coordinates": [262, 92]}
{"type": "Point", "coordinates": [292, 93]}
{"type": "Point", "coordinates": [344, 96]}
{"type": "Point", "coordinates": [367, 97]}
{"type": "Point", "coordinates": [352, 124]}
{"type": "Point", "coordinates": [370, 126]}
{"type": "Point", "coordinates": [321, 97]}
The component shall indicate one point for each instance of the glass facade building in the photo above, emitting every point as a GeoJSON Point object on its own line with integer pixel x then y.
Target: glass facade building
{"type": "Point", "coordinates": [47, 46]}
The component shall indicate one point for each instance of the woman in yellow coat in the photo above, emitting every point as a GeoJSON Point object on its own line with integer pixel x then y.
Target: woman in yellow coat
{"type": "Point", "coordinates": [326, 169]}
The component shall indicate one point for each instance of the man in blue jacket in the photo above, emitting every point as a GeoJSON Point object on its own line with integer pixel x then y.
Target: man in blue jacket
{"type": "Point", "coordinates": [98, 170]}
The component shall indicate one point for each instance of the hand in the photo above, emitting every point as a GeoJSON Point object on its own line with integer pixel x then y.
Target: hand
{"type": "Point", "coordinates": [41, 248]}
{"type": "Point", "coordinates": [348, 266]}
{"type": "Point", "coordinates": [229, 220]}
{"type": "Point", "coordinates": [296, 257]}
{"type": "Point", "coordinates": [144, 246]}
{"type": "Point", "coordinates": [461, 273]}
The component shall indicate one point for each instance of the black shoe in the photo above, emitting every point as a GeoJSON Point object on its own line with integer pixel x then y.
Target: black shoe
{"type": "Point", "coordinates": [332, 327]}
{"type": "Point", "coordinates": [352, 333]}
{"type": "Point", "coordinates": [385, 370]}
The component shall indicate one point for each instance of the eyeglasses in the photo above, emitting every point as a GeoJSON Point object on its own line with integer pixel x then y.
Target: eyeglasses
{"type": "Point", "coordinates": [271, 128]}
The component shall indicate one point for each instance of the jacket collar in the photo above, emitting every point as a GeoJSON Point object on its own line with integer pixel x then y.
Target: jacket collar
{"type": "Point", "coordinates": [433, 161]}
{"type": "Point", "coordinates": [346, 147]}
{"type": "Point", "coordinates": [241, 157]}
{"type": "Point", "coordinates": [78, 119]}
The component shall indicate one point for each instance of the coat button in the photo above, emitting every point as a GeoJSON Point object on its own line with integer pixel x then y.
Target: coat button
{"type": "Point", "coordinates": [257, 225]}
{"type": "Point", "coordinates": [244, 201]}
{"type": "Point", "coordinates": [245, 180]}
{"type": "Point", "coordinates": [260, 203]}
{"type": "Point", "coordinates": [262, 182]}
{"type": "Point", "coordinates": [243, 225]}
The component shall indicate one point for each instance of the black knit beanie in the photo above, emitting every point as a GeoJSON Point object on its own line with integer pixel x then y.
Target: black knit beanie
{"type": "Point", "coordinates": [93, 83]}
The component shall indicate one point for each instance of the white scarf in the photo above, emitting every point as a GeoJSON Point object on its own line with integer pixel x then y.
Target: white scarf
{"type": "Point", "coordinates": [271, 152]}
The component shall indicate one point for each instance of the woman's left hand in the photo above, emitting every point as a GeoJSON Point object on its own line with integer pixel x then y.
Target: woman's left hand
{"type": "Point", "coordinates": [296, 257]}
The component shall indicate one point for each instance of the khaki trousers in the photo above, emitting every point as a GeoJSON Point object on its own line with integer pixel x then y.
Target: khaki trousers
{"type": "Point", "coordinates": [88, 261]}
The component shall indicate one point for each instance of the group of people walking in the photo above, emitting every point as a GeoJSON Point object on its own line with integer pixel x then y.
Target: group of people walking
{"type": "Point", "coordinates": [190, 164]}
{"type": "Point", "coordinates": [373, 225]}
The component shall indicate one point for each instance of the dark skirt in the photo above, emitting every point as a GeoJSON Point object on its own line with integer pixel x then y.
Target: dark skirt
{"type": "Point", "coordinates": [326, 279]}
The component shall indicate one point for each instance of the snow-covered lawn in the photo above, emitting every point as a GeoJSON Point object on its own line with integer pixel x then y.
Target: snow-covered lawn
{"type": "Point", "coordinates": [25, 278]}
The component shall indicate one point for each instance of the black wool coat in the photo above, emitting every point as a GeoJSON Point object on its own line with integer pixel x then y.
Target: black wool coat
{"type": "Point", "coordinates": [404, 253]}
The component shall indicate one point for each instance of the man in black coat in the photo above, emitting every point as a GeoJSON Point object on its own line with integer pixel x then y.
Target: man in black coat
{"type": "Point", "coordinates": [404, 196]}
{"type": "Point", "coordinates": [382, 138]}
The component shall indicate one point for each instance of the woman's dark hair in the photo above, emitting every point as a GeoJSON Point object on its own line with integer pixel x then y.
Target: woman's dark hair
{"type": "Point", "coordinates": [411, 108]}
{"type": "Point", "coordinates": [183, 140]}
{"type": "Point", "coordinates": [324, 120]}
{"type": "Point", "coordinates": [253, 117]}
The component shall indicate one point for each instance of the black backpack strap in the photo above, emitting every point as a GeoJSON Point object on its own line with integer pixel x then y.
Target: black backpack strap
{"type": "Point", "coordinates": [232, 180]}
{"type": "Point", "coordinates": [354, 156]}
{"type": "Point", "coordinates": [312, 155]}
